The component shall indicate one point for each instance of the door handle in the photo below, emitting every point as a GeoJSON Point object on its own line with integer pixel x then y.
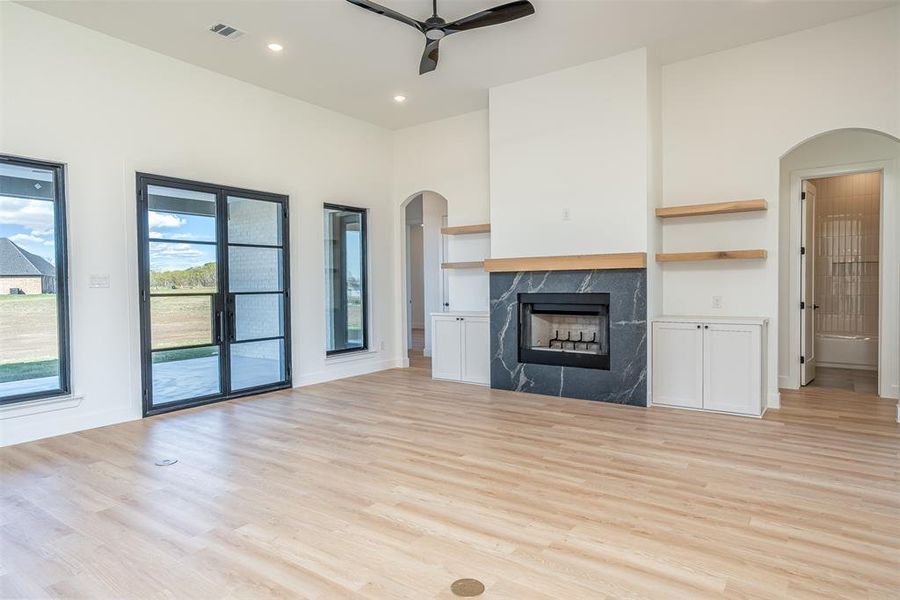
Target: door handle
{"type": "Point", "coordinates": [232, 335]}
{"type": "Point", "coordinates": [219, 325]}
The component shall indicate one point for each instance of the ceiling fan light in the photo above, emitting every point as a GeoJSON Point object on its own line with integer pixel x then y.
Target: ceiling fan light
{"type": "Point", "coordinates": [399, 98]}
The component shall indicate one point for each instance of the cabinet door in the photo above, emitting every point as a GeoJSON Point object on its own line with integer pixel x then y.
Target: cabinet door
{"type": "Point", "coordinates": [732, 375]}
{"type": "Point", "coordinates": [446, 348]}
{"type": "Point", "coordinates": [678, 364]}
{"type": "Point", "coordinates": [476, 358]}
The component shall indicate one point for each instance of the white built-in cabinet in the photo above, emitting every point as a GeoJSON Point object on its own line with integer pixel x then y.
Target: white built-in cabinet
{"type": "Point", "coordinates": [710, 363]}
{"type": "Point", "coordinates": [460, 347]}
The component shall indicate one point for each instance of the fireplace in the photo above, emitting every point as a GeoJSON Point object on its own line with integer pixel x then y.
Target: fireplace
{"type": "Point", "coordinates": [569, 330]}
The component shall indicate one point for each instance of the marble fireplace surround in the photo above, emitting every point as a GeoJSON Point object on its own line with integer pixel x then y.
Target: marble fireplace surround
{"type": "Point", "coordinates": [626, 380]}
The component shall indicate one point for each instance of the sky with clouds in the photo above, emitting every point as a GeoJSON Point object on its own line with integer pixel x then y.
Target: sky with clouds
{"type": "Point", "coordinates": [28, 223]}
{"type": "Point", "coordinates": [175, 256]}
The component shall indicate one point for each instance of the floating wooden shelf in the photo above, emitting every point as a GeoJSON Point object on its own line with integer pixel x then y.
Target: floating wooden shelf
{"type": "Point", "coordinates": [464, 229]}
{"type": "Point", "coordinates": [576, 262]}
{"type": "Point", "coordinates": [714, 255]}
{"type": "Point", "coordinates": [476, 264]}
{"type": "Point", "coordinates": [716, 208]}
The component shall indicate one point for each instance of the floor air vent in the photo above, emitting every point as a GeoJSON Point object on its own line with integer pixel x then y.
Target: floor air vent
{"type": "Point", "coordinates": [226, 31]}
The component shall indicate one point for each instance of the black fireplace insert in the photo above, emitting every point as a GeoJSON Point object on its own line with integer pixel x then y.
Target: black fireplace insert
{"type": "Point", "coordinates": [569, 330]}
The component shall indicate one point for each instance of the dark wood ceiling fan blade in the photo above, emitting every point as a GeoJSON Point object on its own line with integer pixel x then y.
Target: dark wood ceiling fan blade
{"type": "Point", "coordinates": [430, 57]}
{"type": "Point", "coordinates": [387, 12]}
{"type": "Point", "coordinates": [492, 16]}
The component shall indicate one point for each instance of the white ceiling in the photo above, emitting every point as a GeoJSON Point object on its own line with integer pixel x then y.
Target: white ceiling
{"type": "Point", "coordinates": [345, 58]}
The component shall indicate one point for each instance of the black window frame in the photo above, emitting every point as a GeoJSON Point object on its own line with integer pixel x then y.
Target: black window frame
{"type": "Point", "coordinates": [142, 181]}
{"type": "Point", "coordinates": [364, 279]}
{"type": "Point", "coordinates": [60, 237]}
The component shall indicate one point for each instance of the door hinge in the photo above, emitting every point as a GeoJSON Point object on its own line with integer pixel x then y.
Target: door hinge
{"type": "Point", "coordinates": [802, 250]}
{"type": "Point", "coordinates": [146, 394]}
{"type": "Point", "coordinates": [802, 360]}
{"type": "Point", "coordinates": [802, 305]}
{"type": "Point", "coordinates": [803, 195]}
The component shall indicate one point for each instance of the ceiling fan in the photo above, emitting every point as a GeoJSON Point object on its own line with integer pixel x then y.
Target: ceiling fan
{"type": "Point", "coordinates": [436, 28]}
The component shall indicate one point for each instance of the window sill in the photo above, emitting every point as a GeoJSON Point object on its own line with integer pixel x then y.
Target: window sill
{"type": "Point", "coordinates": [349, 356]}
{"type": "Point", "coordinates": [41, 405]}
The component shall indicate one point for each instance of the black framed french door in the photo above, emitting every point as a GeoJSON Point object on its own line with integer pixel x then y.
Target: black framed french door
{"type": "Point", "coordinates": [214, 292]}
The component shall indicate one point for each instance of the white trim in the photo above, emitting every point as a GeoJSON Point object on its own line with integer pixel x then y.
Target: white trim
{"type": "Point", "coordinates": [352, 356]}
{"type": "Point", "coordinates": [774, 401]}
{"type": "Point", "coordinates": [849, 366]}
{"type": "Point", "coordinates": [63, 423]}
{"type": "Point", "coordinates": [351, 369]}
{"type": "Point", "coordinates": [887, 237]}
{"type": "Point", "coordinates": [41, 405]}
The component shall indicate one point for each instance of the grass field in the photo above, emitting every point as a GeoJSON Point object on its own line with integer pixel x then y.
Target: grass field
{"type": "Point", "coordinates": [30, 346]}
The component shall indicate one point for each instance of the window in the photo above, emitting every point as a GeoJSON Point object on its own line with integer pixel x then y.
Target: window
{"type": "Point", "coordinates": [34, 347]}
{"type": "Point", "coordinates": [345, 279]}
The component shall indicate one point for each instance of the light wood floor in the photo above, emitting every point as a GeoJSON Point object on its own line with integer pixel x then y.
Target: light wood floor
{"type": "Point", "coordinates": [392, 485]}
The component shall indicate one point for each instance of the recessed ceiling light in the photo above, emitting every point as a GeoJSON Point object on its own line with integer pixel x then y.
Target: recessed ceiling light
{"type": "Point", "coordinates": [276, 47]}
{"type": "Point", "coordinates": [399, 98]}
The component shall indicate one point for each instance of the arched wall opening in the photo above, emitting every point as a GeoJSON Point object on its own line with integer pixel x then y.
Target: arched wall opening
{"type": "Point", "coordinates": [834, 153]}
{"type": "Point", "coordinates": [424, 286]}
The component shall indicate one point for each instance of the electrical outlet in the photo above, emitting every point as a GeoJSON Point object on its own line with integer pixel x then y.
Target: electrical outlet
{"type": "Point", "coordinates": [717, 302]}
{"type": "Point", "coordinates": [382, 344]}
{"type": "Point", "coordinates": [567, 214]}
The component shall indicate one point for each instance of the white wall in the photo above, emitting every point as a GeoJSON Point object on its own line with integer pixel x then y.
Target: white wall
{"type": "Point", "coordinates": [834, 152]}
{"type": "Point", "coordinates": [450, 157]}
{"type": "Point", "coordinates": [434, 209]}
{"type": "Point", "coordinates": [569, 160]}
{"type": "Point", "coordinates": [728, 118]}
{"type": "Point", "coordinates": [107, 109]}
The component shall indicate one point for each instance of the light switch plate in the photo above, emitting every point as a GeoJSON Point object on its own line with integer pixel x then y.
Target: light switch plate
{"type": "Point", "coordinates": [717, 301]}
{"type": "Point", "coordinates": [99, 281]}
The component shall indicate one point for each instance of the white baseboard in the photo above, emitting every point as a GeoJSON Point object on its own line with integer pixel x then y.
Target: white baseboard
{"type": "Point", "coordinates": [852, 366]}
{"type": "Point", "coordinates": [784, 382]}
{"type": "Point", "coordinates": [349, 369]}
{"type": "Point", "coordinates": [774, 400]}
{"type": "Point", "coordinates": [35, 427]}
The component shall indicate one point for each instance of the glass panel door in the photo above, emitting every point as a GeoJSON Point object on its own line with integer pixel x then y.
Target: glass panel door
{"type": "Point", "coordinates": [185, 302]}
{"type": "Point", "coordinates": [214, 310]}
{"type": "Point", "coordinates": [256, 292]}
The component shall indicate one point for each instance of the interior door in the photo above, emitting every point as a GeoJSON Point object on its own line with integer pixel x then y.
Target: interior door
{"type": "Point", "coordinates": [807, 278]}
{"type": "Point", "coordinates": [215, 316]}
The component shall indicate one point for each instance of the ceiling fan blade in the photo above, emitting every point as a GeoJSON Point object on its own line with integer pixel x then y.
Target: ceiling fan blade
{"type": "Point", "coordinates": [387, 12]}
{"type": "Point", "coordinates": [429, 57]}
{"type": "Point", "coordinates": [491, 16]}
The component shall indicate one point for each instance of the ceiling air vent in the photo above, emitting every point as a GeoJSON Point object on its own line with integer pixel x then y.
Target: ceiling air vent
{"type": "Point", "coordinates": [226, 31]}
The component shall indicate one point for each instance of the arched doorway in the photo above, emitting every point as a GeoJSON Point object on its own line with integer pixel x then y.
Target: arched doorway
{"type": "Point", "coordinates": [424, 282]}
{"type": "Point", "coordinates": [839, 266]}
